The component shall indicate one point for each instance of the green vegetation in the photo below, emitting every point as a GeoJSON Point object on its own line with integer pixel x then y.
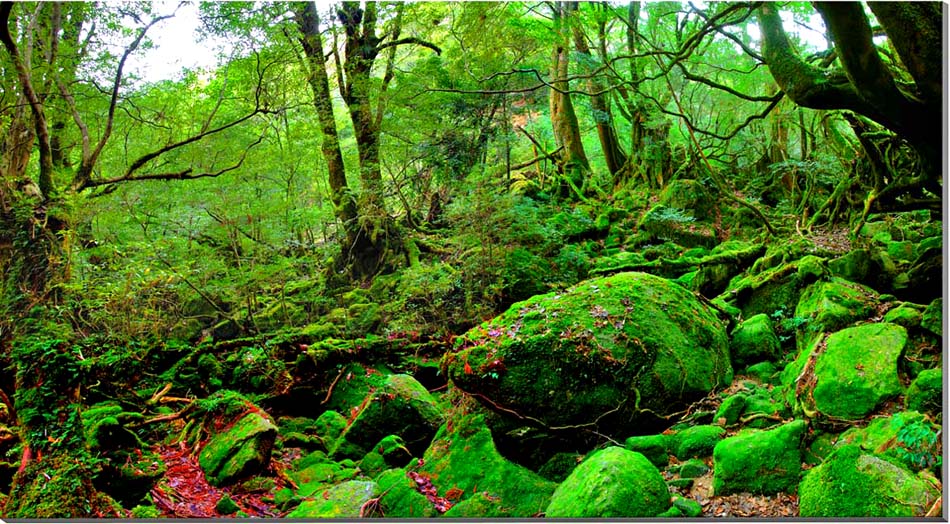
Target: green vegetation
{"type": "Point", "coordinates": [470, 259]}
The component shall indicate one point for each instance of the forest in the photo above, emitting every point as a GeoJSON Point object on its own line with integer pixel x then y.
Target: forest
{"type": "Point", "coordinates": [472, 260]}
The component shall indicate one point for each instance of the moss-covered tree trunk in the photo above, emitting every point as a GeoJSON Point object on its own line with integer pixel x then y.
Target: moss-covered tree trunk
{"type": "Point", "coordinates": [567, 132]}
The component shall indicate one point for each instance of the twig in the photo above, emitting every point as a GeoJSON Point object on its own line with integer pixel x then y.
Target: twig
{"type": "Point", "coordinates": [330, 390]}
{"type": "Point", "coordinates": [160, 393]}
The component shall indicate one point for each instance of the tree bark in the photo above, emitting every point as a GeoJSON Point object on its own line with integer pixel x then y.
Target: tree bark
{"type": "Point", "coordinates": [563, 118]}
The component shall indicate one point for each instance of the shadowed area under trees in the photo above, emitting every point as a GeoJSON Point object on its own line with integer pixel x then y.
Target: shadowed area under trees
{"type": "Point", "coordinates": [473, 260]}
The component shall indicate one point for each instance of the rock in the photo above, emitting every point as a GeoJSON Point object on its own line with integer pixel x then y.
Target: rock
{"type": "Point", "coordinates": [834, 304]}
{"type": "Point", "coordinates": [763, 462]}
{"type": "Point", "coordinates": [611, 483]}
{"type": "Point", "coordinates": [696, 441]}
{"type": "Point", "coordinates": [688, 194]}
{"type": "Point", "coordinates": [676, 225]}
{"type": "Point", "coordinates": [401, 499]}
{"type": "Point", "coordinates": [340, 501]}
{"type": "Point", "coordinates": [730, 409]}
{"type": "Point", "coordinates": [693, 468]}
{"type": "Point", "coordinates": [240, 451]}
{"type": "Point", "coordinates": [754, 341]}
{"type": "Point", "coordinates": [904, 315]}
{"type": "Point", "coordinates": [465, 458]}
{"type": "Point", "coordinates": [653, 447]}
{"type": "Point", "coordinates": [559, 466]}
{"type": "Point", "coordinates": [688, 507]}
{"type": "Point", "coordinates": [400, 406]}
{"type": "Point", "coordinates": [328, 428]}
{"type": "Point", "coordinates": [596, 352]}
{"type": "Point", "coordinates": [226, 506]}
{"type": "Point", "coordinates": [891, 437]}
{"type": "Point", "coordinates": [763, 371]}
{"type": "Point", "coordinates": [853, 483]}
{"type": "Point", "coordinates": [853, 266]}
{"type": "Point", "coordinates": [932, 319]}
{"type": "Point", "coordinates": [858, 370]}
{"type": "Point", "coordinates": [926, 392]}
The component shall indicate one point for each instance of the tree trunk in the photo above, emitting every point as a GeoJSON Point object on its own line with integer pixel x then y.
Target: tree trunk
{"type": "Point", "coordinates": [567, 132]}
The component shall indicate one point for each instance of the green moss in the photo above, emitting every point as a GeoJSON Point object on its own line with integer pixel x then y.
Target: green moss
{"type": "Point", "coordinates": [932, 319]}
{"type": "Point", "coordinates": [328, 427]}
{"type": "Point", "coordinates": [904, 315]}
{"type": "Point", "coordinates": [242, 450]}
{"type": "Point", "coordinates": [693, 468]}
{"type": "Point", "coordinates": [226, 506]}
{"type": "Point", "coordinates": [400, 406]}
{"type": "Point", "coordinates": [559, 466]}
{"type": "Point", "coordinates": [763, 371]}
{"type": "Point", "coordinates": [611, 483]}
{"type": "Point", "coordinates": [653, 447]}
{"type": "Point", "coordinates": [688, 507]}
{"type": "Point", "coordinates": [696, 441]}
{"type": "Point", "coordinates": [58, 486]}
{"type": "Point", "coordinates": [465, 458]}
{"type": "Point", "coordinates": [730, 409]}
{"type": "Point", "coordinates": [852, 483]}
{"type": "Point", "coordinates": [146, 512]}
{"type": "Point", "coordinates": [754, 341]}
{"type": "Point", "coordinates": [613, 344]}
{"type": "Point", "coordinates": [400, 498]}
{"type": "Point", "coordinates": [926, 392]}
{"type": "Point", "coordinates": [834, 304]}
{"type": "Point", "coordinates": [340, 501]}
{"type": "Point", "coordinates": [764, 462]}
{"type": "Point", "coordinates": [853, 266]}
{"type": "Point", "coordinates": [858, 370]}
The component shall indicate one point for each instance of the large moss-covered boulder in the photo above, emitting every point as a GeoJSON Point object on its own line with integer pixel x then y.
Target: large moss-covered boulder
{"type": "Point", "coordinates": [854, 483]}
{"type": "Point", "coordinates": [611, 483]}
{"type": "Point", "coordinates": [240, 451]}
{"type": "Point", "coordinates": [833, 304]}
{"type": "Point", "coordinates": [400, 406]}
{"type": "Point", "coordinates": [463, 457]}
{"type": "Point", "coordinates": [340, 501]}
{"type": "Point", "coordinates": [764, 462]}
{"type": "Point", "coordinates": [601, 352]}
{"type": "Point", "coordinates": [849, 373]}
{"type": "Point", "coordinates": [400, 498]}
{"type": "Point", "coordinates": [753, 341]}
{"type": "Point", "coordinates": [696, 441]}
{"type": "Point", "coordinates": [654, 447]}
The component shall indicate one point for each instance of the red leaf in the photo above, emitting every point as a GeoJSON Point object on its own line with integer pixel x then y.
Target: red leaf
{"type": "Point", "coordinates": [468, 369]}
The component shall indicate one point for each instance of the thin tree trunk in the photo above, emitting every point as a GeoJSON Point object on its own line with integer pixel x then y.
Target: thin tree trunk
{"type": "Point", "coordinates": [563, 118]}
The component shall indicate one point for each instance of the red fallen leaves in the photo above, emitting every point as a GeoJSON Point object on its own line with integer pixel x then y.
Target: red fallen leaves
{"type": "Point", "coordinates": [424, 486]}
{"type": "Point", "coordinates": [185, 493]}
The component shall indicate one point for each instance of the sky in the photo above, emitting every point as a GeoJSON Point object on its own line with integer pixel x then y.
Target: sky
{"type": "Point", "coordinates": [176, 45]}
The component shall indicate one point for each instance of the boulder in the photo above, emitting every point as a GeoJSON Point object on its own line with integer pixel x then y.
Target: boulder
{"type": "Point", "coordinates": [343, 500]}
{"type": "Point", "coordinates": [753, 341]}
{"type": "Point", "coordinates": [833, 304]}
{"type": "Point", "coordinates": [600, 352]}
{"type": "Point", "coordinates": [400, 406]}
{"type": "Point", "coordinates": [653, 447]}
{"type": "Point", "coordinates": [849, 373]}
{"type": "Point", "coordinates": [906, 315]}
{"type": "Point", "coordinates": [678, 226]}
{"type": "Point", "coordinates": [696, 441]}
{"type": "Point", "coordinates": [463, 457]}
{"type": "Point", "coordinates": [759, 461]}
{"type": "Point", "coordinates": [611, 483]}
{"type": "Point", "coordinates": [932, 319]}
{"type": "Point", "coordinates": [400, 498]}
{"type": "Point", "coordinates": [854, 483]}
{"type": "Point", "coordinates": [240, 451]}
{"type": "Point", "coordinates": [926, 391]}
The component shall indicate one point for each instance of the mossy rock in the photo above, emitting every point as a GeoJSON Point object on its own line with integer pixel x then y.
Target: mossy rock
{"type": "Point", "coordinates": [400, 498]}
{"type": "Point", "coordinates": [853, 266]}
{"type": "Point", "coordinates": [129, 475]}
{"type": "Point", "coordinates": [693, 468]}
{"type": "Point", "coordinates": [57, 487]}
{"type": "Point", "coordinates": [678, 226]}
{"type": "Point", "coordinates": [932, 319]}
{"type": "Point", "coordinates": [696, 441]}
{"type": "Point", "coordinates": [240, 451]}
{"type": "Point", "coordinates": [611, 483]}
{"type": "Point", "coordinates": [104, 427]}
{"type": "Point", "coordinates": [730, 409]}
{"type": "Point", "coordinates": [328, 428]}
{"type": "Point", "coordinates": [343, 500]}
{"type": "Point", "coordinates": [400, 406]}
{"type": "Point", "coordinates": [226, 505]}
{"type": "Point", "coordinates": [688, 194]}
{"type": "Point", "coordinates": [763, 462]}
{"type": "Point", "coordinates": [858, 370]}
{"type": "Point", "coordinates": [559, 466]}
{"type": "Point", "coordinates": [835, 304]}
{"type": "Point", "coordinates": [906, 315]}
{"type": "Point", "coordinates": [653, 447]}
{"type": "Point", "coordinates": [853, 483]}
{"type": "Point", "coordinates": [465, 457]}
{"type": "Point", "coordinates": [688, 507]}
{"type": "Point", "coordinates": [357, 381]}
{"type": "Point", "coordinates": [883, 436]}
{"type": "Point", "coordinates": [754, 340]}
{"type": "Point", "coordinates": [389, 453]}
{"type": "Point", "coordinates": [764, 372]}
{"type": "Point", "coordinates": [926, 392]}
{"type": "Point", "coordinates": [601, 351]}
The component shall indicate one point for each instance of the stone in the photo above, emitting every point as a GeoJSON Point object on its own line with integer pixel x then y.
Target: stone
{"type": "Point", "coordinates": [759, 461]}
{"type": "Point", "coordinates": [343, 500]}
{"type": "Point", "coordinates": [611, 483]}
{"type": "Point", "coordinates": [240, 451]}
{"type": "Point", "coordinates": [834, 304]}
{"type": "Point", "coordinates": [905, 315]}
{"type": "Point", "coordinates": [653, 447]}
{"type": "Point", "coordinates": [754, 340]}
{"type": "Point", "coordinates": [932, 319]}
{"type": "Point", "coordinates": [854, 483]}
{"type": "Point", "coordinates": [693, 468]}
{"type": "Point", "coordinates": [696, 441]}
{"type": "Point", "coordinates": [602, 351]}
{"type": "Point", "coordinates": [925, 393]}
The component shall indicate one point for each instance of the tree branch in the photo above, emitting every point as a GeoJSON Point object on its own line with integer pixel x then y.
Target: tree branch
{"type": "Point", "coordinates": [410, 40]}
